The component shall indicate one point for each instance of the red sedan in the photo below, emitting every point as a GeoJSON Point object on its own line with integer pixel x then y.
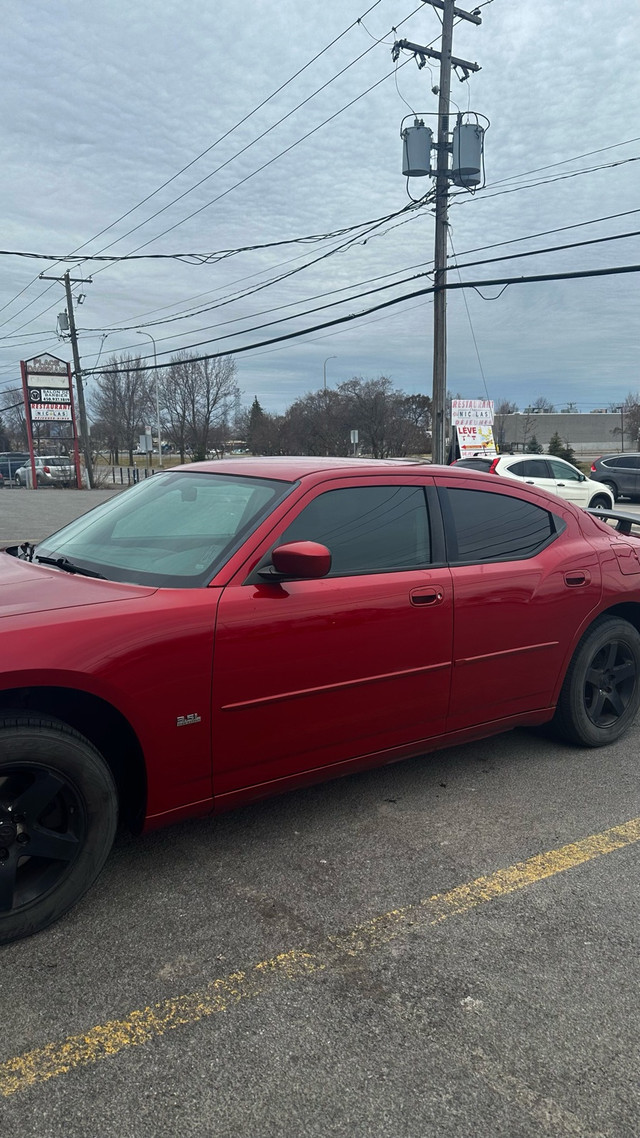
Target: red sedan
{"type": "Point", "coordinates": [229, 630]}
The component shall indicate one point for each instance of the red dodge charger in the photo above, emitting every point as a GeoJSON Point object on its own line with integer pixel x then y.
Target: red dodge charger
{"type": "Point", "coordinates": [228, 630]}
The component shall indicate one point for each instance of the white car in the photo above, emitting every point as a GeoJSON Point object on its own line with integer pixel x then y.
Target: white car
{"type": "Point", "coordinates": [51, 470]}
{"type": "Point", "coordinates": [549, 473]}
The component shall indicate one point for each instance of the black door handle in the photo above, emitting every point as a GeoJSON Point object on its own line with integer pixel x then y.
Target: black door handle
{"type": "Point", "coordinates": [426, 596]}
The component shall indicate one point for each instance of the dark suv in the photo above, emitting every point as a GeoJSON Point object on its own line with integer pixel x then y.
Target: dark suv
{"type": "Point", "coordinates": [10, 461]}
{"type": "Point", "coordinates": [620, 472]}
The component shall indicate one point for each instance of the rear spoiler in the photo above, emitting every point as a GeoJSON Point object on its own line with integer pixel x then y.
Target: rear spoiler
{"type": "Point", "coordinates": [624, 521]}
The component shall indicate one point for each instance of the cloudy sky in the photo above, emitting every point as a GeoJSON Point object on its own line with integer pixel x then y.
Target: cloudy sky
{"type": "Point", "coordinates": [176, 127]}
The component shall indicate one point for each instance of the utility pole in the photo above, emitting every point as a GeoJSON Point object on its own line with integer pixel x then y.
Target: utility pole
{"type": "Point", "coordinates": [439, 394]}
{"type": "Point", "coordinates": [73, 336]}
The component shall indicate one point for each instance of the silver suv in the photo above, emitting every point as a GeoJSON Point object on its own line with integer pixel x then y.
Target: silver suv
{"type": "Point", "coordinates": [51, 470]}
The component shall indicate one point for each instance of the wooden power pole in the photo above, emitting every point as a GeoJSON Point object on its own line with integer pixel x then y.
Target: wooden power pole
{"type": "Point", "coordinates": [447, 60]}
{"type": "Point", "coordinates": [73, 336]}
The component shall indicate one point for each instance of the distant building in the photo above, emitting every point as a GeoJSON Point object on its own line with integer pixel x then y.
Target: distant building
{"type": "Point", "coordinates": [589, 435]}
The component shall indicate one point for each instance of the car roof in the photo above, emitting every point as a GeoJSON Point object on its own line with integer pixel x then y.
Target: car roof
{"type": "Point", "coordinates": [292, 468]}
{"type": "Point", "coordinates": [619, 454]}
{"type": "Point", "coordinates": [296, 468]}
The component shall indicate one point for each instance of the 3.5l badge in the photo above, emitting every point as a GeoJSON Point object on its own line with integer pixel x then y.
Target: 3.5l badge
{"type": "Point", "coordinates": [187, 720]}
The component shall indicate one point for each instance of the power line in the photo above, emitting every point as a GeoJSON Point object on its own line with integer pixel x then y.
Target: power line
{"type": "Point", "coordinates": [248, 147]}
{"type": "Point", "coordinates": [202, 154]}
{"type": "Point", "coordinates": [506, 281]}
{"type": "Point", "coordinates": [368, 292]}
{"type": "Point", "coordinates": [222, 195]}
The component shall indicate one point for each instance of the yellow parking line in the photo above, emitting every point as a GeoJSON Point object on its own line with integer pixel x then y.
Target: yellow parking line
{"type": "Point", "coordinates": [141, 1026]}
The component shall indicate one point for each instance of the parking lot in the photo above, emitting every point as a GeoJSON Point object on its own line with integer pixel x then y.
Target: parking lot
{"type": "Point", "coordinates": [447, 946]}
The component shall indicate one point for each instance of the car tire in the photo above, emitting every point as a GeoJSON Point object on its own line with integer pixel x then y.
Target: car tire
{"type": "Point", "coordinates": [610, 486]}
{"type": "Point", "coordinates": [599, 502]}
{"type": "Point", "coordinates": [57, 797]}
{"type": "Point", "coordinates": [601, 691]}
{"type": "Point", "coordinates": [17, 480]}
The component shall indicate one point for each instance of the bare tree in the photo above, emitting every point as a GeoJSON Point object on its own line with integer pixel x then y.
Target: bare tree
{"type": "Point", "coordinates": [198, 397]}
{"type": "Point", "coordinates": [503, 408]}
{"type": "Point", "coordinates": [121, 404]}
{"type": "Point", "coordinates": [629, 419]}
{"type": "Point", "coordinates": [15, 424]}
{"type": "Point", "coordinates": [388, 421]}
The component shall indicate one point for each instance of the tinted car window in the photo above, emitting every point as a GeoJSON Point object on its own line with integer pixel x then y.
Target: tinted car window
{"type": "Point", "coordinates": [494, 527]}
{"type": "Point", "coordinates": [531, 468]}
{"type": "Point", "coordinates": [475, 463]}
{"type": "Point", "coordinates": [628, 462]}
{"type": "Point", "coordinates": [368, 529]}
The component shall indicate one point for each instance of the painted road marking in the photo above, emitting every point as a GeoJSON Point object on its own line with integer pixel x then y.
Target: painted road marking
{"type": "Point", "coordinates": [141, 1026]}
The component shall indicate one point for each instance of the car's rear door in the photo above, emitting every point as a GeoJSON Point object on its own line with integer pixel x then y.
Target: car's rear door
{"type": "Point", "coordinates": [309, 673]}
{"type": "Point", "coordinates": [534, 471]}
{"type": "Point", "coordinates": [524, 581]}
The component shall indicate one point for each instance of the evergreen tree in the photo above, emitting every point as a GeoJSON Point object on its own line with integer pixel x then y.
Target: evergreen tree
{"type": "Point", "coordinates": [560, 449]}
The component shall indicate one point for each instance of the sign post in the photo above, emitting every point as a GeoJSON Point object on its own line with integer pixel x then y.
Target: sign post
{"type": "Point", "coordinates": [48, 399]}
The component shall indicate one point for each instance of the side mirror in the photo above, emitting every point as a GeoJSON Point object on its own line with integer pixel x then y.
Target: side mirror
{"type": "Point", "coordinates": [305, 559]}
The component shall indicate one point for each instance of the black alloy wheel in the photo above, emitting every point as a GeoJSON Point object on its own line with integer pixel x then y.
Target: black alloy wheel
{"type": "Point", "coordinates": [601, 691]}
{"type": "Point", "coordinates": [58, 815]}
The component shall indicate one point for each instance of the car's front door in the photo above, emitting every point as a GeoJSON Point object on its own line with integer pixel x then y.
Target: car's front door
{"type": "Point", "coordinates": [313, 672]}
{"type": "Point", "coordinates": [570, 483]}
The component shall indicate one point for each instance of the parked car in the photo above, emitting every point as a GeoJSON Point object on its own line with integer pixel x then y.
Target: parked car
{"type": "Point", "coordinates": [228, 630]}
{"type": "Point", "coordinates": [51, 470]}
{"type": "Point", "coordinates": [549, 473]}
{"type": "Point", "coordinates": [620, 473]}
{"type": "Point", "coordinates": [10, 461]}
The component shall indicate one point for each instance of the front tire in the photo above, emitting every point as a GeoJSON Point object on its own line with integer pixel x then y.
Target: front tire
{"type": "Point", "coordinates": [612, 487]}
{"type": "Point", "coordinates": [601, 690]}
{"type": "Point", "coordinates": [599, 502]}
{"type": "Point", "coordinates": [58, 817]}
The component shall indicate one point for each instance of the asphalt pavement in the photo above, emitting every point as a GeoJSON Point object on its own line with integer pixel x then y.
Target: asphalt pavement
{"type": "Point", "coordinates": [31, 515]}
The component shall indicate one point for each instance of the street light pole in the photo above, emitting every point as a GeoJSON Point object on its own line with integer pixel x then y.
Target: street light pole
{"type": "Point", "coordinates": [155, 360]}
{"type": "Point", "coordinates": [324, 371]}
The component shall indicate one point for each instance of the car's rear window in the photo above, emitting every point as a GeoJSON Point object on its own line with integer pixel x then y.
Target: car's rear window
{"type": "Point", "coordinates": [475, 463]}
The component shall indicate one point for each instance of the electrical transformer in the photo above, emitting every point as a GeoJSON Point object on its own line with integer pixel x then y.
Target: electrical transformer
{"type": "Point", "coordinates": [467, 154]}
{"type": "Point", "coordinates": [417, 141]}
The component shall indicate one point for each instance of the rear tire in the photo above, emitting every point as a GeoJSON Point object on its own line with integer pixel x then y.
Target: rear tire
{"type": "Point", "coordinates": [601, 690]}
{"type": "Point", "coordinates": [58, 817]}
{"type": "Point", "coordinates": [612, 487]}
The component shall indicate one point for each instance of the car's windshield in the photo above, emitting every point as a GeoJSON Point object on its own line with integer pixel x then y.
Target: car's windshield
{"type": "Point", "coordinates": [174, 530]}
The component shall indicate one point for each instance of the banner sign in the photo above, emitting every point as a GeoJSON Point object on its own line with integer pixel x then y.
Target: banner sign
{"type": "Point", "coordinates": [50, 412]}
{"type": "Point", "coordinates": [471, 412]}
{"type": "Point", "coordinates": [474, 441]}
